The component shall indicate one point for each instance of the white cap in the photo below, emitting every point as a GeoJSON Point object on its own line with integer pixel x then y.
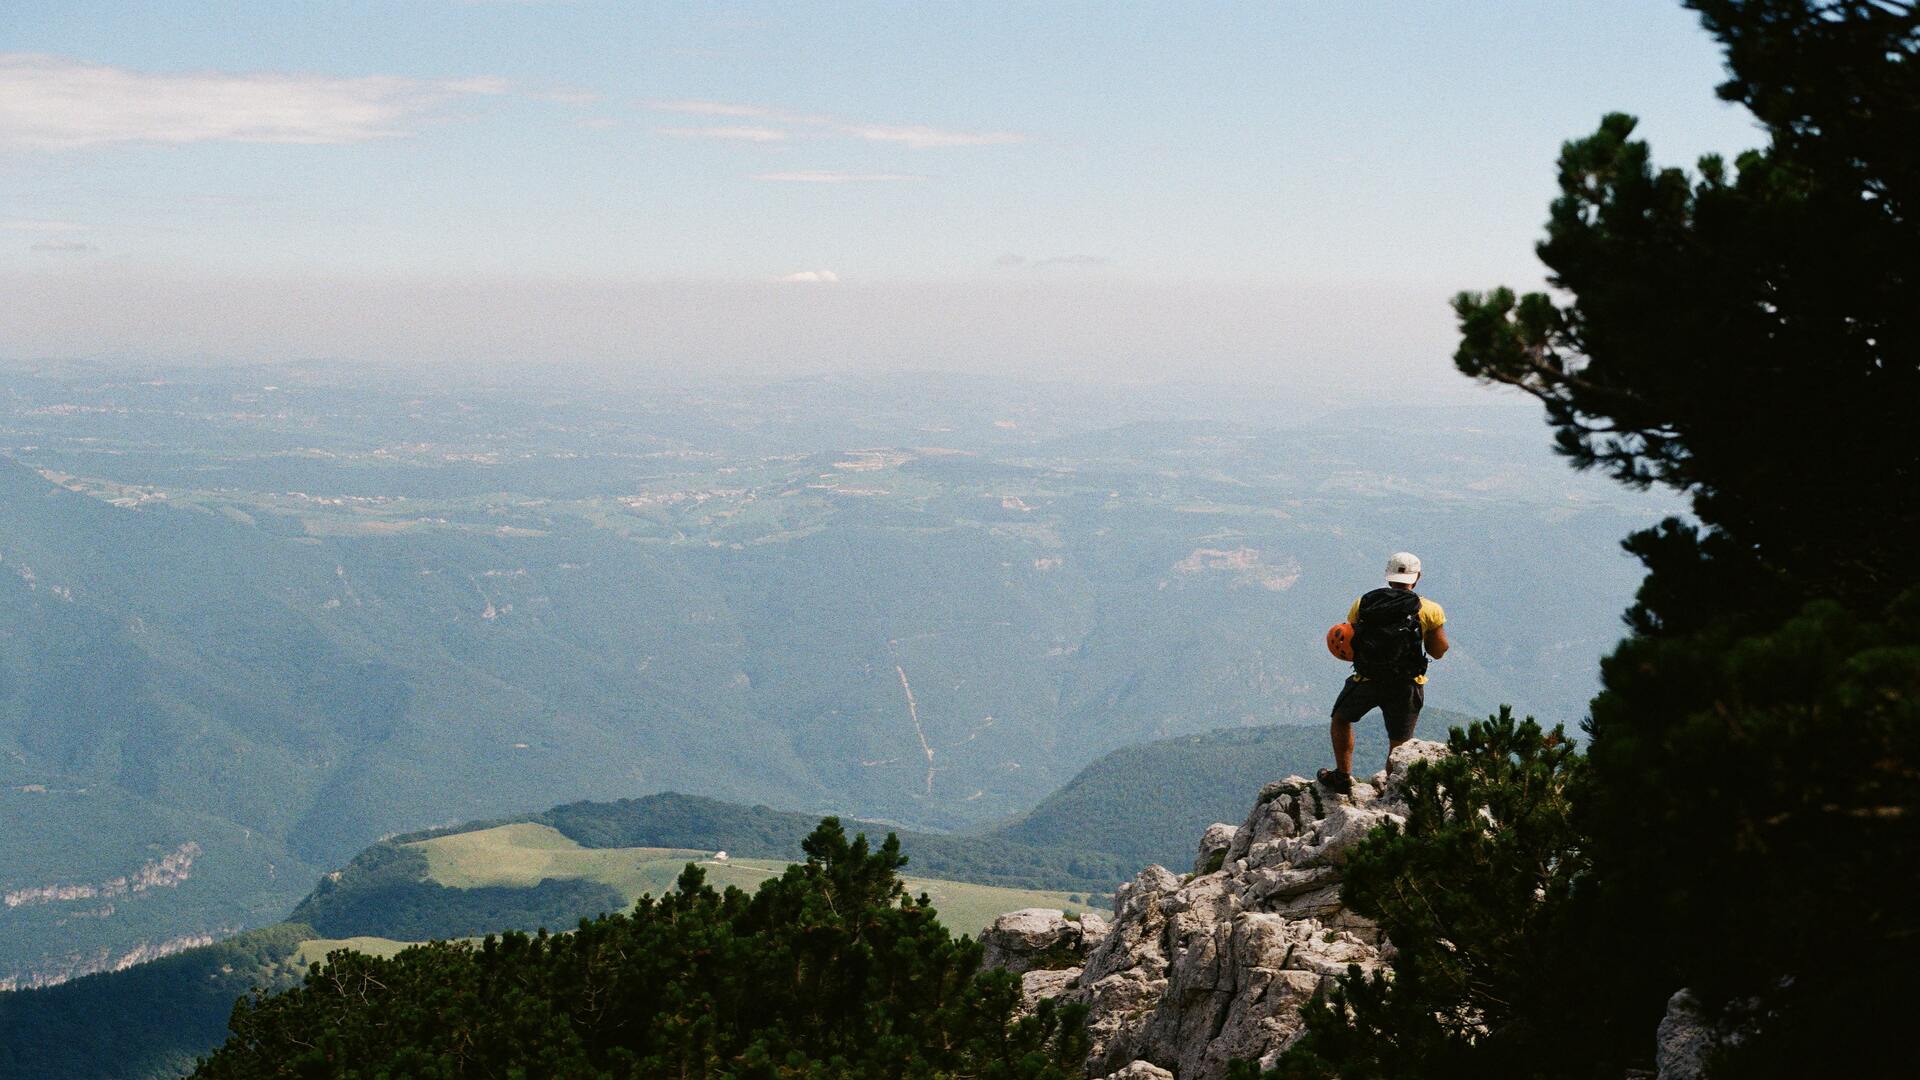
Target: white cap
{"type": "Point", "coordinates": [1403, 568]}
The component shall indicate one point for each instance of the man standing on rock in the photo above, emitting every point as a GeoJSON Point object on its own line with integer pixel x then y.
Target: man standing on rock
{"type": "Point", "coordinates": [1395, 631]}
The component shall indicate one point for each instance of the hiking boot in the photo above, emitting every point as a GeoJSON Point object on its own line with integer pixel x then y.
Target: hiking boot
{"type": "Point", "coordinates": [1336, 781]}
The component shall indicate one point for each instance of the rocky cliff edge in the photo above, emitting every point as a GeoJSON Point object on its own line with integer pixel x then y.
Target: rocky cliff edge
{"type": "Point", "coordinates": [1197, 971]}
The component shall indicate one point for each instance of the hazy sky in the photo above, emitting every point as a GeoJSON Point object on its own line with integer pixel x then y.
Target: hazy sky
{"type": "Point", "coordinates": [1277, 189]}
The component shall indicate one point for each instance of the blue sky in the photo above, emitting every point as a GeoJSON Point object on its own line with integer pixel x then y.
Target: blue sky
{"type": "Point", "coordinates": [1148, 188]}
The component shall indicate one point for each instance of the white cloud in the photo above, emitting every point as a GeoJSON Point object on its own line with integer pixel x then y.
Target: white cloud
{"type": "Point", "coordinates": [921, 137]}
{"type": "Point", "coordinates": [816, 176]}
{"type": "Point", "coordinates": [913, 136]}
{"type": "Point", "coordinates": [698, 107]}
{"type": "Point", "coordinates": [823, 277]}
{"type": "Point", "coordinates": [55, 103]}
{"type": "Point", "coordinates": [735, 133]}
{"type": "Point", "coordinates": [705, 108]}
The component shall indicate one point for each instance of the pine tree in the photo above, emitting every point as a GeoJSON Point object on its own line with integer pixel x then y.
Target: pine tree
{"type": "Point", "coordinates": [1481, 894]}
{"type": "Point", "coordinates": [1747, 335]}
{"type": "Point", "coordinates": [1752, 338]}
{"type": "Point", "coordinates": [830, 970]}
{"type": "Point", "coordinates": [1748, 821]}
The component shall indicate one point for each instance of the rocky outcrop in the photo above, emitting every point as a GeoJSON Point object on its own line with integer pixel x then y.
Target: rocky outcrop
{"type": "Point", "coordinates": [54, 970]}
{"type": "Point", "coordinates": [163, 873]}
{"type": "Point", "coordinates": [1042, 946]}
{"type": "Point", "coordinates": [1691, 1033]}
{"type": "Point", "coordinates": [1199, 971]}
{"type": "Point", "coordinates": [1040, 939]}
{"type": "Point", "coordinates": [1139, 1070]}
{"type": "Point", "coordinates": [1213, 847]}
{"type": "Point", "coordinates": [1036, 986]}
{"type": "Point", "coordinates": [1683, 1040]}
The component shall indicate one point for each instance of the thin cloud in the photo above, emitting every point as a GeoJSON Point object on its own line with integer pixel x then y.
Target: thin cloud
{"type": "Point", "coordinates": [62, 247]}
{"type": "Point", "coordinates": [912, 136]}
{"type": "Point", "coordinates": [704, 108]}
{"type": "Point", "coordinates": [699, 107]}
{"type": "Point", "coordinates": [827, 177]}
{"type": "Point", "coordinates": [921, 137]}
{"type": "Point", "coordinates": [734, 133]}
{"type": "Point", "coordinates": [56, 103]}
{"type": "Point", "coordinates": [1014, 260]}
{"type": "Point", "coordinates": [813, 277]}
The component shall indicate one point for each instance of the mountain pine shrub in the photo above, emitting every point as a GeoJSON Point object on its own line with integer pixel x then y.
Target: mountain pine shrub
{"type": "Point", "coordinates": [828, 970]}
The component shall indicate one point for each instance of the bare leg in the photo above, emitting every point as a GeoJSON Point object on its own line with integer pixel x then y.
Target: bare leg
{"type": "Point", "coordinates": [1400, 732]}
{"type": "Point", "coordinates": [1342, 733]}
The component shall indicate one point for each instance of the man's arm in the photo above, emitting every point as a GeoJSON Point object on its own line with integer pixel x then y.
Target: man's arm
{"type": "Point", "coordinates": [1437, 642]}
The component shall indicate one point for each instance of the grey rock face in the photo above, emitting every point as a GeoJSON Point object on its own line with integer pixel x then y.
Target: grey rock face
{"type": "Point", "coordinates": [1037, 986]}
{"type": "Point", "coordinates": [1040, 939]}
{"type": "Point", "coordinates": [1690, 1033]}
{"type": "Point", "coordinates": [1140, 1070]}
{"type": "Point", "coordinates": [1684, 1038]}
{"type": "Point", "coordinates": [1198, 972]}
{"type": "Point", "coordinates": [1213, 843]}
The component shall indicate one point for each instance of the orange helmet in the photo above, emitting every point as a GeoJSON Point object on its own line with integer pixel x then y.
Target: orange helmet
{"type": "Point", "coordinates": [1340, 641]}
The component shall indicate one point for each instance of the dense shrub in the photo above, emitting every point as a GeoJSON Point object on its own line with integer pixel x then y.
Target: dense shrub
{"type": "Point", "coordinates": [828, 970]}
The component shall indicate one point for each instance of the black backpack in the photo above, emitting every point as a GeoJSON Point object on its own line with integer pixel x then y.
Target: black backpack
{"type": "Point", "coordinates": [1387, 642]}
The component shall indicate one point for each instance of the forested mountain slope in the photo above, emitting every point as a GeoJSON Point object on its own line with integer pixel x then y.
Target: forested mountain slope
{"type": "Point", "coordinates": [1148, 802]}
{"type": "Point", "coordinates": [306, 608]}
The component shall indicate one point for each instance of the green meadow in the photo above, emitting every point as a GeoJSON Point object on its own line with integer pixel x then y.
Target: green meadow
{"type": "Point", "coordinates": [524, 854]}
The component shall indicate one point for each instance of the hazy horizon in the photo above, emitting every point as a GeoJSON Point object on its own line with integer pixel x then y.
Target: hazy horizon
{"type": "Point", "coordinates": [1284, 192]}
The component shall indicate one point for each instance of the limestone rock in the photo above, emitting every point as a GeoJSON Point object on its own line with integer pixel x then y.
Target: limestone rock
{"type": "Point", "coordinates": [1040, 939]}
{"type": "Point", "coordinates": [1197, 973]}
{"type": "Point", "coordinates": [1690, 1033]}
{"type": "Point", "coordinates": [1215, 842]}
{"type": "Point", "coordinates": [1093, 927]}
{"type": "Point", "coordinates": [1684, 1038]}
{"type": "Point", "coordinates": [1140, 1070]}
{"type": "Point", "coordinates": [1037, 986]}
{"type": "Point", "coordinates": [1407, 755]}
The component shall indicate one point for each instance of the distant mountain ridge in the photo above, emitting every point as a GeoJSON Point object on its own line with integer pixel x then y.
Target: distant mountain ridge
{"type": "Point", "coordinates": [1148, 801]}
{"type": "Point", "coordinates": [675, 820]}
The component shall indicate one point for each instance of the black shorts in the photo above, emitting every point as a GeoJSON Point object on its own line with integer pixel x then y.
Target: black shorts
{"type": "Point", "coordinates": [1399, 704]}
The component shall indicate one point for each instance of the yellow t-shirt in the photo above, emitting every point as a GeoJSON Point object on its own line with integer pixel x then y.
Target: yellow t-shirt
{"type": "Point", "coordinates": [1432, 617]}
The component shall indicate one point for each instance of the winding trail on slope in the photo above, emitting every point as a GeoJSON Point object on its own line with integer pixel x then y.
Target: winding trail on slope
{"type": "Point", "coordinates": [913, 713]}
